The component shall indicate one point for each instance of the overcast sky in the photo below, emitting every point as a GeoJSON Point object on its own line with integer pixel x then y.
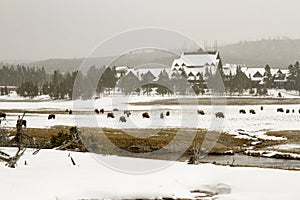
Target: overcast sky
{"type": "Point", "coordinates": [40, 29]}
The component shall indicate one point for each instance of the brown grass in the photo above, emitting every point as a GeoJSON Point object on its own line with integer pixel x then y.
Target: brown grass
{"type": "Point", "coordinates": [146, 142]}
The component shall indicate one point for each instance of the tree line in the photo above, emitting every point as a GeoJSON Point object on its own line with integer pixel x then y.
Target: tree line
{"type": "Point", "coordinates": [34, 81]}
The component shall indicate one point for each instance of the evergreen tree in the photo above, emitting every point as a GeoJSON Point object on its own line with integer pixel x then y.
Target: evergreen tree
{"type": "Point", "coordinates": [107, 81]}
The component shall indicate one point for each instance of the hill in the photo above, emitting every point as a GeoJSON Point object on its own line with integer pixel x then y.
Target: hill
{"type": "Point", "coordinates": [276, 53]}
{"type": "Point", "coordinates": [132, 60]}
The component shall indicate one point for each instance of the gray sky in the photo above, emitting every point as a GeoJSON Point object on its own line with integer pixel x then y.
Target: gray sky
{"type": "Point", "coordinates": [41, 29]}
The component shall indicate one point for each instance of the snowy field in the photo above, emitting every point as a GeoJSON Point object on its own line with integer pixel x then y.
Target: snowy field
{"type": "Point", "coordinates": [51, 175]}
{"type": "Point", "coordinates": [182, 116]}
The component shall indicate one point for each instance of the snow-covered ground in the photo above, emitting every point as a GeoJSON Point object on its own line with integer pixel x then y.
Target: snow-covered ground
{"type": "Point", "coordinates": [51, 175]}
{"type": "Point", "coordinates": [182, 116]}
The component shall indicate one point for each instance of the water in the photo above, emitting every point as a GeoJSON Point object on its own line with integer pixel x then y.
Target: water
{"type": "Point", "coordinates": [241, 159]}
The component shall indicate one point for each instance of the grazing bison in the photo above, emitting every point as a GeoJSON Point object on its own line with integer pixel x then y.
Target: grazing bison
{"type": "Point", "coordinates": [122, 119]}
{"type": "Point", "coordinates": [161, 115]}
{"type": "Point", "coordinates": [280, 110]}
{"type": "Point", "coordinates": [96, 111]}
{"type": "Point", "coordinates": [127, 113]}
{"type": "Point", "coordinates": [51, 116]}
{"type": "Point", "coordinates": [101, 110]}
{"type": "Point", "coordinates": [22, 122]}
{"type": "Point", "coordinates": [200, 112]}
{"type": "Point", "coordinates": [242, 111]}
{"type": "Point", "coordinates": [70, 112]}
{"type": "Point", "coordinates": [2, 114]}
{"type": "Point", "coordinates": [293, 111]}
{"type": "Point", "coordinates": [115, 109]}
{"type": "Point", "coordinates": [168, 113]}
{"type": "Point", "coordinates": [146, 115]}
{"type": "Point", "coordinates": [219, 115]}
{"type": "Point", "coordinates": [110, 115]}
{"type": "Point", "coordinates": [252, 111]}
{"type": "Point", "coordinates": [261, 108]}
{"type": "Point", "coordinates": [287, 111]}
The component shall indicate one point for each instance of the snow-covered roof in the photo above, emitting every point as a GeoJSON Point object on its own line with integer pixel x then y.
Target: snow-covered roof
{"type": "Point", "coordinates": [196, 60]}
{"type": "Point", "coordinates": [251, 71]}
{"type": "Point", "coordinates": [121, 68]}
{"type": "Point", "coordinates": [155, 71]}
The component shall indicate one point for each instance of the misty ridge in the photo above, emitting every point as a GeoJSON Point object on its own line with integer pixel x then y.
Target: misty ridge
{"type": "Point", "coordinates": [278, 53]}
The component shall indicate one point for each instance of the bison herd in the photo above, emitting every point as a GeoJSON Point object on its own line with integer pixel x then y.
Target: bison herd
{"type": "Point", "coordinates": [127, 113]}
{"type": "Point", "coordinates": [162, 115]}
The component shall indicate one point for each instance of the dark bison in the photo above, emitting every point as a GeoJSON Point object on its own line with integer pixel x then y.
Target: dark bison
{"type": "Point", "coordinates": [22, 122]}
{"type": "Point", "coordinates": [242, 111]}
{"type": "Point", "coordinates": [70, 112]}
{"type": "Point", "coordinates": [96, 111]}
{"type": "Point", "coordinates": [2, 114]}
{"type": "Point", "coordinates": [168, 113]}
{"type": "Point", "coordinates": [293, 111]}
{"type": "Point", "coordinates": [146, 115]}
{"type": "Point", "coordinates": [280, 110]}
{"type": "Point", "coordinates": [122, 119]}
{"type": "Point", "coordinates": [161, 115]}
{"type": "Point", "coordinates": [261, 108]}
{"type": "Point", "coordinates": [220, 115]}
{"type": "Point", "coordinates": [101, 111]}
{"type": "Point", "coordinates": [51, 116]}
{"type": "Point", "coordinates": [127, 113]}
{"type": "Point", "coordinates": [200, 112]}
{"type": "Point", "coordinates": [110, 115]}
{"type": "Point", "coordinates": [252, 111]}
{"type": "Point", "coordinates": [287, 111]}
{"type": "Point", "coordinates": [115, 109]}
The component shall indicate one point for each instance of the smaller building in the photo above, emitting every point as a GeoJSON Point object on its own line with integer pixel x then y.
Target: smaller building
{"type": "Point", "coordinates": [10, 89]}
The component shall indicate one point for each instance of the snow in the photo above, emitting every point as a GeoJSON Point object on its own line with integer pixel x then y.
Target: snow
{"type": "Point", "coordinates": [182, 116]}
{"type": "Point", "coordinates": [196, 60]}
{"type": "Point", "coordinates": [50, 175]}
{"type": "Point", "coordinates": [287, 147]}
{"type": "Point", "coordinates": [14, 96]}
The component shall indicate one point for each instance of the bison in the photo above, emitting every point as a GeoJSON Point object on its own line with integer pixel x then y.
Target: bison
{"type": "Point", "coordinates": [70, 112]}
{"type": "Point", "coordinates": [51, 116]}
{"type": "Point", "coordinates": [252, 111]}
{"type": "Point", "coordinates": [287, 111]}
{"type": "Point", "coordinates": [220, 115]}
{"type": "Point", "coordinates": [146, 115]}
{"type": "Point", "coordinates": [101, 111]}
{"type": "Point", "coordinates": [168, 113]}
{"type": "Point", "coordinates": [110, 115]}
{"type": "Point", "coordinates": [2, 114]}
{"type": "Point", "coordinates": [242, 111]}
{"type": "Point", "coordinates": [293, 111]}
{"type": "Point", "coordinates": [261, 108]}
{"type": "Point", "coordinates": [280, 110]}
{"type": "Point", "coordinates": [122, 119]}
{"type": "Point", "coordinates": [97, 111]}
{"type": "Point", "coordinates": [127, 113]}
{"type": "Point", "coordinates": [161, 115]}
{"type": "Point", "coordinates": [200, 112]}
